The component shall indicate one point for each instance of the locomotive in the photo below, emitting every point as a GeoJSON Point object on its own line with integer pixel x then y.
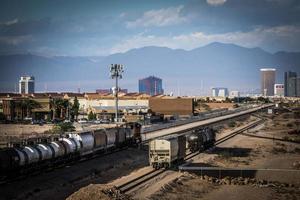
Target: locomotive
{"type": "Point", "coordinates": [201, 139]}
{"type": "Point", "coordinates": [69, 147]}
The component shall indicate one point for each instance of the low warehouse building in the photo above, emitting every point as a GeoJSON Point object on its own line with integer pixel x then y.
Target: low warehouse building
{"type": "Point", "coordinates": [172, 106]}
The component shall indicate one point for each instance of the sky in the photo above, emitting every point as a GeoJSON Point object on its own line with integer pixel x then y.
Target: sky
{"type": "Point", "coordinates": [101, 28]}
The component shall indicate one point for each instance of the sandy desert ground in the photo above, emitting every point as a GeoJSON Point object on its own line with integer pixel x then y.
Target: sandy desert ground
{"type": "Point", "coordinates": [242, 151]}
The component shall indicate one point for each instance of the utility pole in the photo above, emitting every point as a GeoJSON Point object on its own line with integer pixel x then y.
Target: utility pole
{"type": "Point", "coordinates": [116, 71]}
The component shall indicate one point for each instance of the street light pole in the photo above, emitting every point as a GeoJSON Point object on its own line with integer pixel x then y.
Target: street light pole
{"type": "Point", "coordinates": [116, 71]}
{"type": "Point", "coordinates": [117, 99]}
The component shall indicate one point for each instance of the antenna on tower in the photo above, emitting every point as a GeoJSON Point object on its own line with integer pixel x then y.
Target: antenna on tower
{"type": "Point", "coordinates": [201, 88]}
{"type": "Point", "coordinates": [15, 88]}
{"type": "Point", "coordinates": [78, 89]}
{"type": "Point", "coordinates": [46, 87]}
{"type": "Point", "coordinates": [178, 90]}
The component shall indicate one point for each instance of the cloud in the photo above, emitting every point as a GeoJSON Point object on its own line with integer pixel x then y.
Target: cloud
{"type": "Point", "coordinates": [216, 2]}
{"type": "Point", "coordinates": [159, 18]}
{"type": "Point", "coordinates": [14, 40]}
{"type": "Point", "coordinates": [285, 37]}
{"type": "Point", "coordinates": [11, 22]}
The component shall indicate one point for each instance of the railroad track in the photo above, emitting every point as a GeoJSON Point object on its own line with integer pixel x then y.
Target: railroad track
{"type": "Point", "coordinates": [225, 138]}
{"type": "Point", "coordinates": [128, 186]}
{"type": "Point", "coordinates": [134, 183]}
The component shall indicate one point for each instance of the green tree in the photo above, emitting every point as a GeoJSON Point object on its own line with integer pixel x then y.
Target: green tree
{"type": "Point", "coordinates": [59, 108]}
{"type": "Point", "coordinates": [26, 106]}
{"type": "Point", "coordinates": [75, 109]}
{"type": "Point", "coordinates": [31, 104]}
{"type": "Point", "coordinates": [91, 116]}
{"type": "Point", "coordinates": [227, 100]}
{"type": "Point", "coordinates": [63, 127]}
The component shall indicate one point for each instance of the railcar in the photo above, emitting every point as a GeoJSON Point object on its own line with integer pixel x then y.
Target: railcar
{"type": "Point", "coordinates": [201, 139]}
{"type": "Point", "coordinates": [166, 151]}
{"type": "Point", "coordinates": [69, 147]}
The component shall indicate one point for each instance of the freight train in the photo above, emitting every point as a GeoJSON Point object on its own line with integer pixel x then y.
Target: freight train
{"type": "Point", "coordinates": [69, 147]}
{"type": "Point", "coordinates": [166, 151]}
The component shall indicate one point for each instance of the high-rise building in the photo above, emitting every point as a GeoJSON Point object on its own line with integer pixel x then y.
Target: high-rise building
{"type": "Point", "coordinates": [219, 92]}
{"type": "Point", "coordinates": [267, 81]}
{"type": "Point", "coordinates": [26, 85]}
{"type": "Point", "coordinates": [290, 84]}
{"type": "Point", "coordinates": [234, 94]}
{"type": "Point", "coordinates": [279, 90]}
{"type": "Point", "coordinates": [151, 85]}
{"type": "Point", "coordinates": [298, 87]}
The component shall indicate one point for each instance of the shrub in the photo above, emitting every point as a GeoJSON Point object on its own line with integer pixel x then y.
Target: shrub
{"type": "Point", "coordinates": [231, 124]}
{"type": "Point", "coordinates": [63, 127]}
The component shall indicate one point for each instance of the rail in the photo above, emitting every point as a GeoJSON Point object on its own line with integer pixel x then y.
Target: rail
{"type": "Point", "coordinates": [190, 125]}
{"type": "Point", "coordinates": [202, 116]}
{"type": "Point", "coordinates": [126, 187]}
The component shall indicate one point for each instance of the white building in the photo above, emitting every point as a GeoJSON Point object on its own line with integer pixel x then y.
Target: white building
{"type": "Point", "coordinates": [279, 90]}
{"type": "Point", "coordinates": [26, 85]}
{"type": "Point", "coordinates": [219, 92]}
{"type": "Point", "coordinates": [234, 94]}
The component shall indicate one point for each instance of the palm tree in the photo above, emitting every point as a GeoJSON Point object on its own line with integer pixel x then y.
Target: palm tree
{"type": "Point", "coordinates": [65, 108]}
{"type": "Point", "coordinates": [31, 104]}
{"type": "Point", "coordinates": [59, 107]}
{"type": "Point", "coordinates": [19, 105]}
{"type": "Point", "coordinates": [75, 108]}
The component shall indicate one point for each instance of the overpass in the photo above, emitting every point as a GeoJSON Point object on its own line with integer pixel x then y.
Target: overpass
{"type": "Point", "coordinates": [193, 125]}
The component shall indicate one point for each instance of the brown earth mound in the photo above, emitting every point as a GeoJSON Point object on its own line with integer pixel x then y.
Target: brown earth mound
{"type": "Point", "coordinates": [98, 192]}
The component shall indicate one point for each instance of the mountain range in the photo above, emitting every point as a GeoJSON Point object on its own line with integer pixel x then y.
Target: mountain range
{"type": "Point", "coordinates": [182, 71]}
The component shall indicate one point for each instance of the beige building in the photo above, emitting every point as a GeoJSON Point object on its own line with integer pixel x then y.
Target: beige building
{"type": "Point", "coordinates": [105, 103]}
{"type": "Point", "coordinates": [172, 105]}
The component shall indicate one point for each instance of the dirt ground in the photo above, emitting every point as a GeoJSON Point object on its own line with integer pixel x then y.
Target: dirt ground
{"type": "Point", "coordinates": [245, 152]}
{"type": "Point", "coordinates": [22, 129]}
{"type": "Point", "coordinates": [17, 132]}
{"type": "Point", "coordinates": [190, 186]}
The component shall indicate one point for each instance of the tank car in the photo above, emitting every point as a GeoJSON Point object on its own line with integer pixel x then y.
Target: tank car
{"type": "Point", "coordinates": [85, 141]}
{"type": "Point", "coordinates": [194, 141]}
{"type": "Point", "coordinates": [66, 148]}
{"type": "Point", "coordinates": [201, 139]}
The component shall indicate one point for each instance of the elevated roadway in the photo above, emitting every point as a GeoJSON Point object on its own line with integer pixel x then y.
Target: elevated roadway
{"type": "Point", "coordinates": [194, 125]}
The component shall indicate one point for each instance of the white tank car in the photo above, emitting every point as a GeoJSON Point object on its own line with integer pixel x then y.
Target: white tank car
{"type": "Point", "coordinates": [70, 145]}
{"type": "Point", "coordinates": [46, 152]}
{"type": "Point", "coordinates": [59, 149]}
{"type": "Point", "coordinates": [32, 154]}
{"type": "Point", "coordinates": [21, 155]}
{"type": "Point", "coordinates": [86, 139]}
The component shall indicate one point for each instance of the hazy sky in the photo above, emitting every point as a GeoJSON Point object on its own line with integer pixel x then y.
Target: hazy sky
{"type": "Point", "coordinates": [73, 27]}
